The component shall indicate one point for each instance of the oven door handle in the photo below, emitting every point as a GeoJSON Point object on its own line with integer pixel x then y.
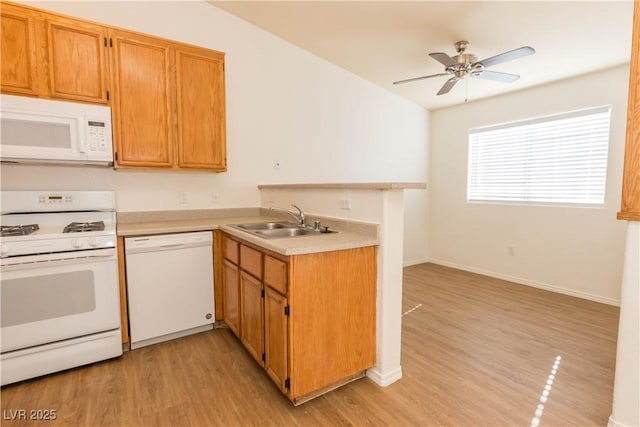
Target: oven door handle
{"type": "Point", "coordinates": [105, 255]}
{"type": "Point", "coordinates": [24, 262]}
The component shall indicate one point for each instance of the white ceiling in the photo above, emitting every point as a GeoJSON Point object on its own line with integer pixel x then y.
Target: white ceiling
{"type": "Point", "coordinates": [388, 41]}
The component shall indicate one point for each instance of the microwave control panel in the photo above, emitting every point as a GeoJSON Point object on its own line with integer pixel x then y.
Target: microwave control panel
{"type": "Point", "coordinates": [96, 135]}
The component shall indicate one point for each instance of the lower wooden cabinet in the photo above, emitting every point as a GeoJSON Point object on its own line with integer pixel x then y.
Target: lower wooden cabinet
{"type": "Point", "coordinates": [252, 315]}
{"type": "Point", "coordinates": [309, 319]}
{"type": "Point", "coordinates": [231, 295]}
{"type": "Point", "coordinates": [275, 337]}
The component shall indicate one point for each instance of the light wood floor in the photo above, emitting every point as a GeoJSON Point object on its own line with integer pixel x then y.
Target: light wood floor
{"type": "Point", "coordinates": [476, 352]}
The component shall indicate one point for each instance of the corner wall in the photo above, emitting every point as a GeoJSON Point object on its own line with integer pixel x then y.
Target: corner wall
{"type": "Point", "coordinates": [577, 251]}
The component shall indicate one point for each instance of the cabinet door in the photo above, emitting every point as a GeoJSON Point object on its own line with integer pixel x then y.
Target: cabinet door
{"type": "Point", "coordinates": [275, 337]}
{"type": "Point", "coordinates": [141, 105]}
{"type": "Point", "coordinates": [251, 316]}
{"type": "Point", "coordinates": [76, 58]}
{"type": "Point", "coordinates": [18, 40]}
{"type": "Point", "coordinates": [200, 108]}
{"type": "Point", "coordinates": [230, 283]}
{"type": "Point", "coordinates": [630, 207]}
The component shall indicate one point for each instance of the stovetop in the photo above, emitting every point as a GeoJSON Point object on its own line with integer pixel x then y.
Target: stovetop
{"type": "Point", "coordinates": [53, 225]}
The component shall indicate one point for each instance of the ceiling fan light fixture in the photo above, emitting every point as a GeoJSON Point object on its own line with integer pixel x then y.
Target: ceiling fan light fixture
{"type": "Point", "coordinates": [476, 69]}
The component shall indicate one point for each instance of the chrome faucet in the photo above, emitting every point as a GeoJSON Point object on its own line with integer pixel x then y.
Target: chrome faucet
{"type": "Point", "coordinates": [298, 216]}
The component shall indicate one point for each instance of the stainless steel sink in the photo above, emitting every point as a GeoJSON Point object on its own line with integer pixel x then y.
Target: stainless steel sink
{"type": "Point", "coordinates": [286, 232]}
{"type": "Point", "coordinates": [278, 230]}
{"type": "Point", "coordinates": [266, 226]}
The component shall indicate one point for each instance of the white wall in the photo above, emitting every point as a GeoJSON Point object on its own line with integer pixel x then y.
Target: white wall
{"type": "Point", "coordinates": [578, 251]}
{"type": "Point", "coordinates": [626, 388]}
{"type": "Point", "coordinates": [323, 123]}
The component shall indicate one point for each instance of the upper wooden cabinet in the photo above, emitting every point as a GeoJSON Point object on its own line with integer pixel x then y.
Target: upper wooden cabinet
{"type": "Point", "coordinates": [142, 100]}
{"type": "Point", "coordinates": [168, 103]}
{"type": "Point", "coordinates": [200, 108]}
{"type": "Point", "coordinates": [77, 61]}
{"type": "Point", "coordinates": [630, 209]}
{"type": "Point", "coordinates": [19, 64]}
{"type": "Point", "coordinates": [51, 56]}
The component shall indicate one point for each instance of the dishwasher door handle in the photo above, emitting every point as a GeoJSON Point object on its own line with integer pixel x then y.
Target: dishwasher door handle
{"type": "Point", "coordinates": [171, 246]}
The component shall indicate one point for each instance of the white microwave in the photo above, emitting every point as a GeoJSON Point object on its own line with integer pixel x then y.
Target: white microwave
{"type": "Point", "coordinates": [39, 130]}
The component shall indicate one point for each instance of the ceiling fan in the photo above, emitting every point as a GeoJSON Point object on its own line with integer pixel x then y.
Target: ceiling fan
{"type": "Point", "coordinates": [467, 64]}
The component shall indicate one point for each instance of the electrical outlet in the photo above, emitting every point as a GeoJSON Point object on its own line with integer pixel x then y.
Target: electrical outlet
{"type": "Point", "coordinates": [182, 197]}
{"type": "Point", "coordinates": [215, 196]}
{"type": "Point", "coordinates": [511, 250]}
{"type": "Point", "coordinates": [344, 203]}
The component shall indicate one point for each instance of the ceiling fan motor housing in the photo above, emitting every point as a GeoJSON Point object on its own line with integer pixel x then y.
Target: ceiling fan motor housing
{"type": "Point", "coordinates": [465, 58]}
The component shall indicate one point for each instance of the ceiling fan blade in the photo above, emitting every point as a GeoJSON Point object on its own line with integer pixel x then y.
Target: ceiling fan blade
{"type": "Point", "coordinates": [507, 56]}
{"type": "Point", "coordinates": [448, 85]}
{"type": "Point", "coordinates": [420, 78]}
{"type": "Point", "coordinates": [497, 76]}
{"type": "Point", "coordinates": [443, 58]}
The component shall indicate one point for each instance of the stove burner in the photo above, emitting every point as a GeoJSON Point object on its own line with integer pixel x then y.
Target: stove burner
{"type": "Point", "coordinates": [18, 230]}
{"type": "Point", "coordinates": [79, 227]}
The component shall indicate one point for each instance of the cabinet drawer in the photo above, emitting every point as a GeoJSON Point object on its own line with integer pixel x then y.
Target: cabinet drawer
{"type": "Point", "coordinates": [230, 249]}
{"type": "Point", "coordinates": [251, 261]}
{"type": "Point", "coordinates": [275, 274]}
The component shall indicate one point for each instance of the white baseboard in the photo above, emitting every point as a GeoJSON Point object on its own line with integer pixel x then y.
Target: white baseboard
{"type": "Point", "coordinates": [415, 262]}
{"type": "Point", "coordinates": [527, 282]}
{"type": "Point", "coordinates": [384, 379]}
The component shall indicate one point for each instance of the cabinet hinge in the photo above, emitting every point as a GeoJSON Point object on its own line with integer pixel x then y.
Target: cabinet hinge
{"type": "Point", "coordinates": [262, 293]}
{"type": "Point", "coordinates": [287, 383]}
{"type": "Point", "coordinates": [286, 310]}
{"type": "Point", "coordinates": [264, 357]}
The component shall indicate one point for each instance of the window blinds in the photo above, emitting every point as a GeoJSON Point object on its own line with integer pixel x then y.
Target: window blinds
{"type": "Point", "coordinates": [554, 159]}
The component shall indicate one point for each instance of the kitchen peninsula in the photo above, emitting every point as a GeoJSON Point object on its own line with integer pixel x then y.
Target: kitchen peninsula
{"type": "Point", "coordinates": [373, 217]}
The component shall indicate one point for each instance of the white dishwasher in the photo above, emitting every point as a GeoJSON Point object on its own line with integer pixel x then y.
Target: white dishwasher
{"type": "Point", "coordinates": [169, 286]}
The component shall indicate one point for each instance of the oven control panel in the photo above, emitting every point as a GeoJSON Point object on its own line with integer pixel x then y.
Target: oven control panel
{"type": "Point", "coordinates": [55, 199]}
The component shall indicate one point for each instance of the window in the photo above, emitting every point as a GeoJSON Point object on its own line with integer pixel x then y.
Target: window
{"type": "Point", "coordinates": [554, 159]}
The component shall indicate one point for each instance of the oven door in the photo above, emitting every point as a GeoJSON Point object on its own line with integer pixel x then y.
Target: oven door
{"type": "Point", "coordinates": [53, 297]}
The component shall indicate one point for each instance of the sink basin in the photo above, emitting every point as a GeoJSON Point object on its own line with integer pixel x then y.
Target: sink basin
{"type": "Point", "coordinates": [267, 226]}
{"type": "Point", "coordinates": [277, 230]}
{"type": "Point", "coordinates": [285, 232]}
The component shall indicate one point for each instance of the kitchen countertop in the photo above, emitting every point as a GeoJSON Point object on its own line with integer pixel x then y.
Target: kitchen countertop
{"type": "Point", "coordinates": [344, 239]}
